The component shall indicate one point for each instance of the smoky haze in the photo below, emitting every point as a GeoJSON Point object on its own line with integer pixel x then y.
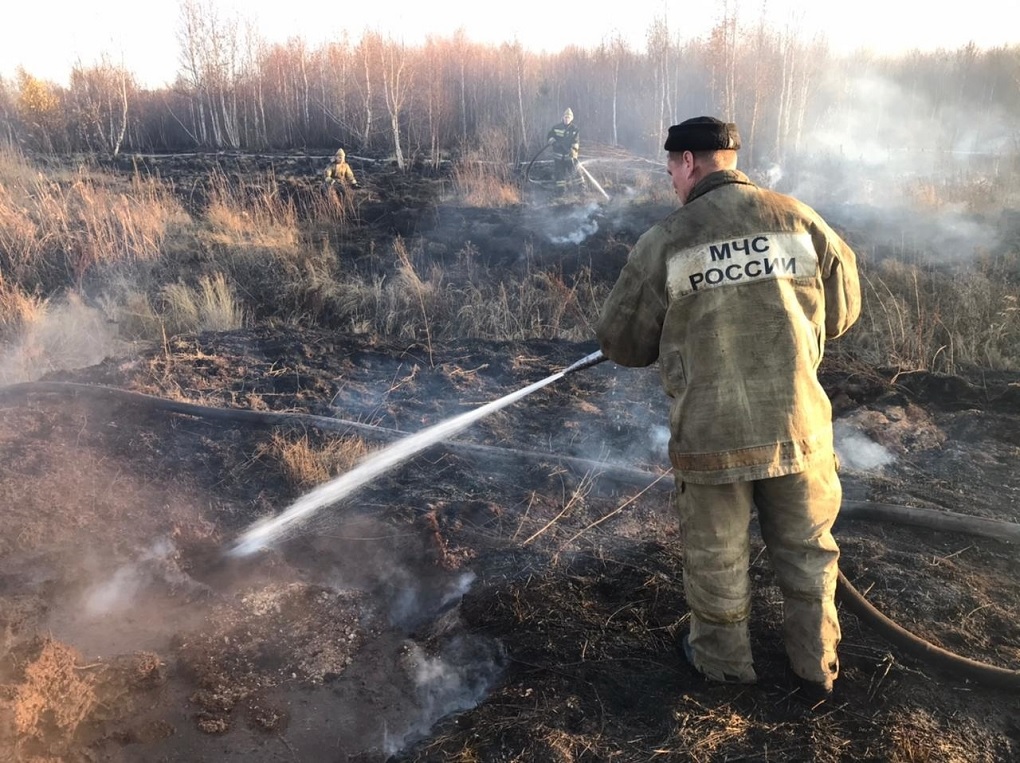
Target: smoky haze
{"type": "Point", "coordinates": [913, 159]}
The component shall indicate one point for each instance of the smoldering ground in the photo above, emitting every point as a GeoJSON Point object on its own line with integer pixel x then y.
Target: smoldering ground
{"type": "Point", "coordinates": [409, 603]}
{"type": "Point", "coordinates": [296, 617]}
{"type": "Point", "coordinates": [468, 599]}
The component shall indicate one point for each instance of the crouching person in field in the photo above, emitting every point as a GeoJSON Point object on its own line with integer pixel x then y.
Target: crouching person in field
{"type": "Point", "coordinates": [339, 175]}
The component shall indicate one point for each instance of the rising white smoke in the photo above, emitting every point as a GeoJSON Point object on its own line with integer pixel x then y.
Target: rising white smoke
{"type": "Point", "coordinates": [61, 337]}
{"type": "Point", "coordinates": [857, 451]}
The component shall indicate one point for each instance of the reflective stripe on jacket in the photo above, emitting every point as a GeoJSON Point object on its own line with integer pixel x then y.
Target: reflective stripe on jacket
{"type": "Point", "coordinates": [566, 140]}
{"type": "Point", "coordinates": [734, 294]}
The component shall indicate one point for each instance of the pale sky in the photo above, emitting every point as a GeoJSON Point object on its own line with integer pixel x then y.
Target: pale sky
{"type": "Point", "coordinates": [47, 37]}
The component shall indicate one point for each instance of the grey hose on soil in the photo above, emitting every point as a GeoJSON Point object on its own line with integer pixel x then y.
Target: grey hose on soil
{"type": "Point", "coordinates": [979, 672]}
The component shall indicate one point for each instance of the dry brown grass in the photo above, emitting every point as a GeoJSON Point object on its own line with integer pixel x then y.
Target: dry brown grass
{"type": "Point", "coordinates": [484, 177]}
{"type": "Point", "coordinates": [536, 304]}
{"type": "Point", "coordinates": [334, 209]}
{"type": "Point", "coordinates": [971, 193]}
{"type": "Point", "coordinates": [250, 214]}
{"type": "Point", "coordinates": [701, 732]}
{"type": "Point", "coordinates": [250, 257]}
{"type": "Point", "coordinates": [55, 231]}
{"type": "Point", "coordinates": [209, 306]}
{"type": "Point", "coordinates": [18, 310]}
{"type": "Point", "coordinates": [424, 302]}
{"type": "Point", "coordinates": [176, 308]}
{"type": "Point", "coordinates": [923, 318]}
{"type": "Point", "coordinates": [306, 464]}
{"type": "Point", "coordinates": [52, 700]}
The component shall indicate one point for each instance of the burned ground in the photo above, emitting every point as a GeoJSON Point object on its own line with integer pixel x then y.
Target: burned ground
{"type": "Point", "coordinates": [512, 595]}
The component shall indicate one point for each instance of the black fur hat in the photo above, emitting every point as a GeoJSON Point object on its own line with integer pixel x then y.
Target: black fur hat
{"type": "Point", "coordinates": [703, 134]}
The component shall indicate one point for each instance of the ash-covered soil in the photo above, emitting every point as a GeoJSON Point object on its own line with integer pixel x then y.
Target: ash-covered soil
{"type": "Point", "coordinates": [511, 595]}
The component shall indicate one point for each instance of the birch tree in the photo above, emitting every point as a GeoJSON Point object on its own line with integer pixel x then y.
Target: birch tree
{"type": "Point", "coordinates": [99, 98]}
{"type": "Point", "coordinates": [397, 79]}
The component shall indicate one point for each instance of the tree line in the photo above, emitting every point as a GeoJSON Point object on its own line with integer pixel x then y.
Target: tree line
{"type": "Point", "coordinates": [420, 104]}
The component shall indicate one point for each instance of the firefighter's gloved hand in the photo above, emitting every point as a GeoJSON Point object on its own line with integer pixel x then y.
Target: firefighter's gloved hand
{"type": "Point", "coordinates": [551, 141]}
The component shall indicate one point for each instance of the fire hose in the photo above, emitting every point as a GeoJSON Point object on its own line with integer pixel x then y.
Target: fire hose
{"type": "Point", "coordinates": [580, 166]}
{"type": "Point", "coordinates": [847, 594]}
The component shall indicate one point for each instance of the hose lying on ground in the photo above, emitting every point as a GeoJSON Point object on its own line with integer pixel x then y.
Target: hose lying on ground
{"type": "Point", "coordinates": [573, 181]}
{"type": "Point", "coordinates": [913, 645]}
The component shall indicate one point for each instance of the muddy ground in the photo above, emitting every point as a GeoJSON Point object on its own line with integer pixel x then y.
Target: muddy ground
{"type": "Point", "coordinates": [511, 595]}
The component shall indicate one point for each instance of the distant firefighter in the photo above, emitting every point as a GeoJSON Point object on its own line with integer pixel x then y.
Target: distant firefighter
{"type": "Point", "coordinates": [339, 172]}
{"type": "Point", "coordinates": [564, 139]}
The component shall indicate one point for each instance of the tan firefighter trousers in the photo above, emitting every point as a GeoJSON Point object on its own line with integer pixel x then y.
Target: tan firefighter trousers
{"type": "Point", "coordinates": [796, 513]}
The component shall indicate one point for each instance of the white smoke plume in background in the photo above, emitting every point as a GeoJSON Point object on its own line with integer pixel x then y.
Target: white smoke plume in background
{"type": "Point", "coordinates": [773, 174]}
{"type": "Point", "coordinates": [857, 451]}
{"type": "Point", "coordinates": [888, 137]}
{"type": "Point", "coordinates": [893, 166]}
{"type": "Point", "coordinates": [65, 335]}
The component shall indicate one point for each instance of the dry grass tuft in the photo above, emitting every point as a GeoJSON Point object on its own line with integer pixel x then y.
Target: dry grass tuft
{"type": "Point", "coordinates": [250, 214]}
{"type": "Point", "coordinates": [54, 698]}
{"type": "Point", "coordinates": [484, 177]}
{"type": "Point", "coordinates": [306, 464]}
{"type": "Point", "coordinates": [919, 317]}
{"type": "Point", "coordinates": [209, 306]}
{"type": "Point", "coordinates": [18, 310]}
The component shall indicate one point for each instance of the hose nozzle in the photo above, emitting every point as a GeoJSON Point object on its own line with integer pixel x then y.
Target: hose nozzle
{"type": "Point", "coordinates": [586, 362]}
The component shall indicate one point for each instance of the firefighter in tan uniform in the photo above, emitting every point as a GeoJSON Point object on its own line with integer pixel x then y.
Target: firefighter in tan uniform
{"type": "Point", "coordinates": [339, 173]}
{"type": "Point", "coordinates": [735, 294]}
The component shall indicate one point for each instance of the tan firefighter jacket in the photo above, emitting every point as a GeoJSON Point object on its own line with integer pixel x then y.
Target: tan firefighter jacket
{"type": "Point", "coordinates": [734, 294]}
{"type": "Point", "coordinates": [340, 172]}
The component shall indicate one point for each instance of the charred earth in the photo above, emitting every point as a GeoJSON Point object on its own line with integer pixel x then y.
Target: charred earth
{"type": "Point", "coordinates": [511, 595]}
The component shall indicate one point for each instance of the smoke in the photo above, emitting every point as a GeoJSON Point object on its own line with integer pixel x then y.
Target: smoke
{"type": "Point", "coordinates": [909, 176]}
{"type": "Point", "coordinates": [857, 452]}
{"type": "Point", "coordinates": [633, 434]}
{"type": "Point", "coordinates": [453, 680]}
{"type": "Point", "coordinates": [563, 224]}
{"type": "Point", "coordinates": [893, 136]}
{"type": "Point", "coordinates": [647, 446]}
{"type": "Point", "coordinates": [417, 599]}
{"type": "Point", "coordinates": [60, 336]}
{"type": "Point", "coordinates": [155, 566]}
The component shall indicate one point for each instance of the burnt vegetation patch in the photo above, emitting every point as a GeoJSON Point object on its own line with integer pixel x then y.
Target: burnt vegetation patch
{"type": "Point", "coordinates": [512, 594]}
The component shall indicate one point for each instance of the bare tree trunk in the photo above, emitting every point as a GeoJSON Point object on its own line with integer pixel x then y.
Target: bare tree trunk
{"type": "Point", "coordinates": [123, 113]}
{"type": "Point", "coordinates": [463, 101]}
{"type": "Point", "coordinates": [306, 111]}
{"type": "Point", "coordinates": [395, 88]}
{"type": "Point", "coordinates": [784, 96]}
{"type": "Point", "coordinates": [616, 94]}
{"type": "Point", "coordinates": [519, 65]}
{"type": "Point", "coordinates": [368, 98]}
